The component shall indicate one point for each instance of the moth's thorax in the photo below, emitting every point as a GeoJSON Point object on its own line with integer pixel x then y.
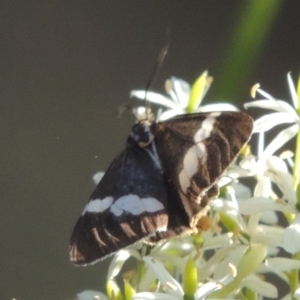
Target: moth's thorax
{"type": "Point", "coordinates": [141, 133]}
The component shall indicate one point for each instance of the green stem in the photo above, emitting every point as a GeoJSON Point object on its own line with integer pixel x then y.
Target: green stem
{"type": "Point", "coordinates": [296, 170]}
{"type": "Point", "coordinates": [293, 277]}
{"type": "Point", "coordinates": [249, 36]}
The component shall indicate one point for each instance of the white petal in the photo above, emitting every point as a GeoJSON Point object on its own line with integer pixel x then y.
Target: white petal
{"type": "Point", "coordinates": [287, 154]}
{"type": "Point", "coordinates": [287, 297]}
{"type": "Point", "coordinates": [269, 217]}
{"type": "Point", "coordinates": [91, 295]}
{"type": "Point", "coordinates": [147, 279]}
{"type": "Point", "coordinates": [265, 268]}
{"type": "Point", "coordinates": [217, 241]}
{"type": "Point", "coordinates": [277, 171]}
{"type": "Point", "coordinates": [216, 265]}
{"type": "Point", "coordinates": [280, 139]}
{"type": "Point", "coordinates": [291, 236]}
{"type": "Point", "coordinates": [283, 264]}
{"type": "Point", "coordinates": [273, 251]}
{"type": "Point", "coordinates": [182, 91]}
{"type": "Point", "coordinates": [119, 260]}
{"type": "Point", "coordinates": [264, 93]}
{"type": "Point", "coordinates": [249, 163]}
{"type": "Point", "coordinates": [242, 192]}
{"type": "Point", "coordinates": [153, 97]}
{"type": "Point", "coordinates": [206, 289]}
{"type": "Point", "coordinates": [270, 236]}
{"type": "Point", "coordinates": [97, 177]}
{"type": "Point", "coordinates": [292, 90]}
{"type": "Point", "coordinates": [277, 164]}
{"type": "Point", "coordinates": [261, 143]}
{"type": "Point", "coordinates": [263, 187]}
{"type": "Point", "coordinates": [269, 121]}
{"type": "Point", "coordinates": [278, 105]}
{"type": "Point", "coordinates": [225, 180]}
{"type": "Point", "coordinates": [217, 107]}
{"type": "Point", "coordinates": [252, 225]}
{"type": "Point", "coordinates": [185, 245]}
{"type": "Point", "coordinates": [233, 257]}
{"type": "Point", "coordinates": [169, 283]}
{"type": "Point", "coordinates": [256, 205]}
{"type": "Point", "coordinates": [152, 296]}
{"type": "Point", "coordinates": [284, 181]}
{"type": "Point", "coordinates": [229, 208]}
{"type": "Point", "coordinates": [232, 173]}
{"type": "Point", "coordinates": [263, 288]}
{"type": "Point", "coordinates": [297, 293]}
{"type": "Point", "coordinates": [177, 262]}
{"type": "Point", "coordinates": [170, 113]}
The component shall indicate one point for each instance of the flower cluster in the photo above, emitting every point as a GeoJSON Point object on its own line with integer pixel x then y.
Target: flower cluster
{"type": "Point", "coordinates": [254, 225]}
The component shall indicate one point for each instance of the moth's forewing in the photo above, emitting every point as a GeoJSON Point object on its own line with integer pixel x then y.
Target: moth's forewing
{"type": "Point", "coordinates": [195, 151]}
{"type": "Point", "coordinates": [134, 197]}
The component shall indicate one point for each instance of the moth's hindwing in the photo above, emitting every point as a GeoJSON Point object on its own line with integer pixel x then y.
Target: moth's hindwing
{"type": "Point", "coordinates": [127, 206]}
{"type": "Point", "coordinates": [194, 151]}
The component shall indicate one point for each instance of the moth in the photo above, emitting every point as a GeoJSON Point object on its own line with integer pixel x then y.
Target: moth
{"type": "Point", "coordinates": [161, 184]}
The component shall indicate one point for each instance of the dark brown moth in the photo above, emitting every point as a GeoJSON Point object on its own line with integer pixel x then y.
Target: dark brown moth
{"type": "Point", "coordinates": [161, 184]}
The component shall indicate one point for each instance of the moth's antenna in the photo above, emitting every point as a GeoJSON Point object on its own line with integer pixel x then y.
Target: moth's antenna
{"type": "Point", "coordinates": [154, 73]}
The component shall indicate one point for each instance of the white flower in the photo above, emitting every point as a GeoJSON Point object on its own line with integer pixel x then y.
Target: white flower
{"type": "Point", "coordinates": [252, 207]}
{"type": "Point", "coordinates": [175, 253]}
{"type": "Point", "coordinates": [285, 113]}
{"type": "Point", "coordinates": [171, 286]}
{"type": "Point", "coordinates": [274, 168]}
{"type": "Point", "coordinates": [91, 295]}
{"type": "Point", "coordinates": [182, 98]}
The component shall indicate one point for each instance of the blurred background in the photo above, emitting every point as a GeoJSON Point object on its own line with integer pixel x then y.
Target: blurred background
{"type": "Point", "coordinates": [66, 66]}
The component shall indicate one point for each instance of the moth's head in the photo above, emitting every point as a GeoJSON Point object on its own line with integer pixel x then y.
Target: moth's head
{"type": "Point", "coordinates": [141, 133]}
{"type": "Point", "coordinates": [143, 113]}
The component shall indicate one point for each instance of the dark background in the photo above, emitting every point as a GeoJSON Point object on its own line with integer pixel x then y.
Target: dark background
{"type": "Point", "coordinates": [65, 68]}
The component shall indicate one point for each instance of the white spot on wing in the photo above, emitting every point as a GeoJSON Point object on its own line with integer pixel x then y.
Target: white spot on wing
{"type": "Point", "coordinates": [190, 167]}
{"type": "Point", "coordinates": [152, 205]}
{"type": "Point", "coordinates": [184, 180]}
{"type": "Point", "coordinates": [215, 114]}
{"type": "Point", "coordinates": [205, 130]}
{"type": "Point", "coordinates": [125, 203]}
{"type": "Point", "coordinates": [190, 161]}
{"type": "Point", "coordinates": [98, 205]}
{"type": "Point", "coordinates": [162, 228]}
{"type": "Point", "coordinates": [190, 164]}
{"type": "Point", "coordinates": [135, 205]}
{"type": "Point", "coordinates": [200, 149]}
{"type": "Point", "coordinates": [196, 152]}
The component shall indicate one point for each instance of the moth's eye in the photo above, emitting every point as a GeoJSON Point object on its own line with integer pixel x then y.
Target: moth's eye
{"type": "Point", "coordinates": [142, 134]}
